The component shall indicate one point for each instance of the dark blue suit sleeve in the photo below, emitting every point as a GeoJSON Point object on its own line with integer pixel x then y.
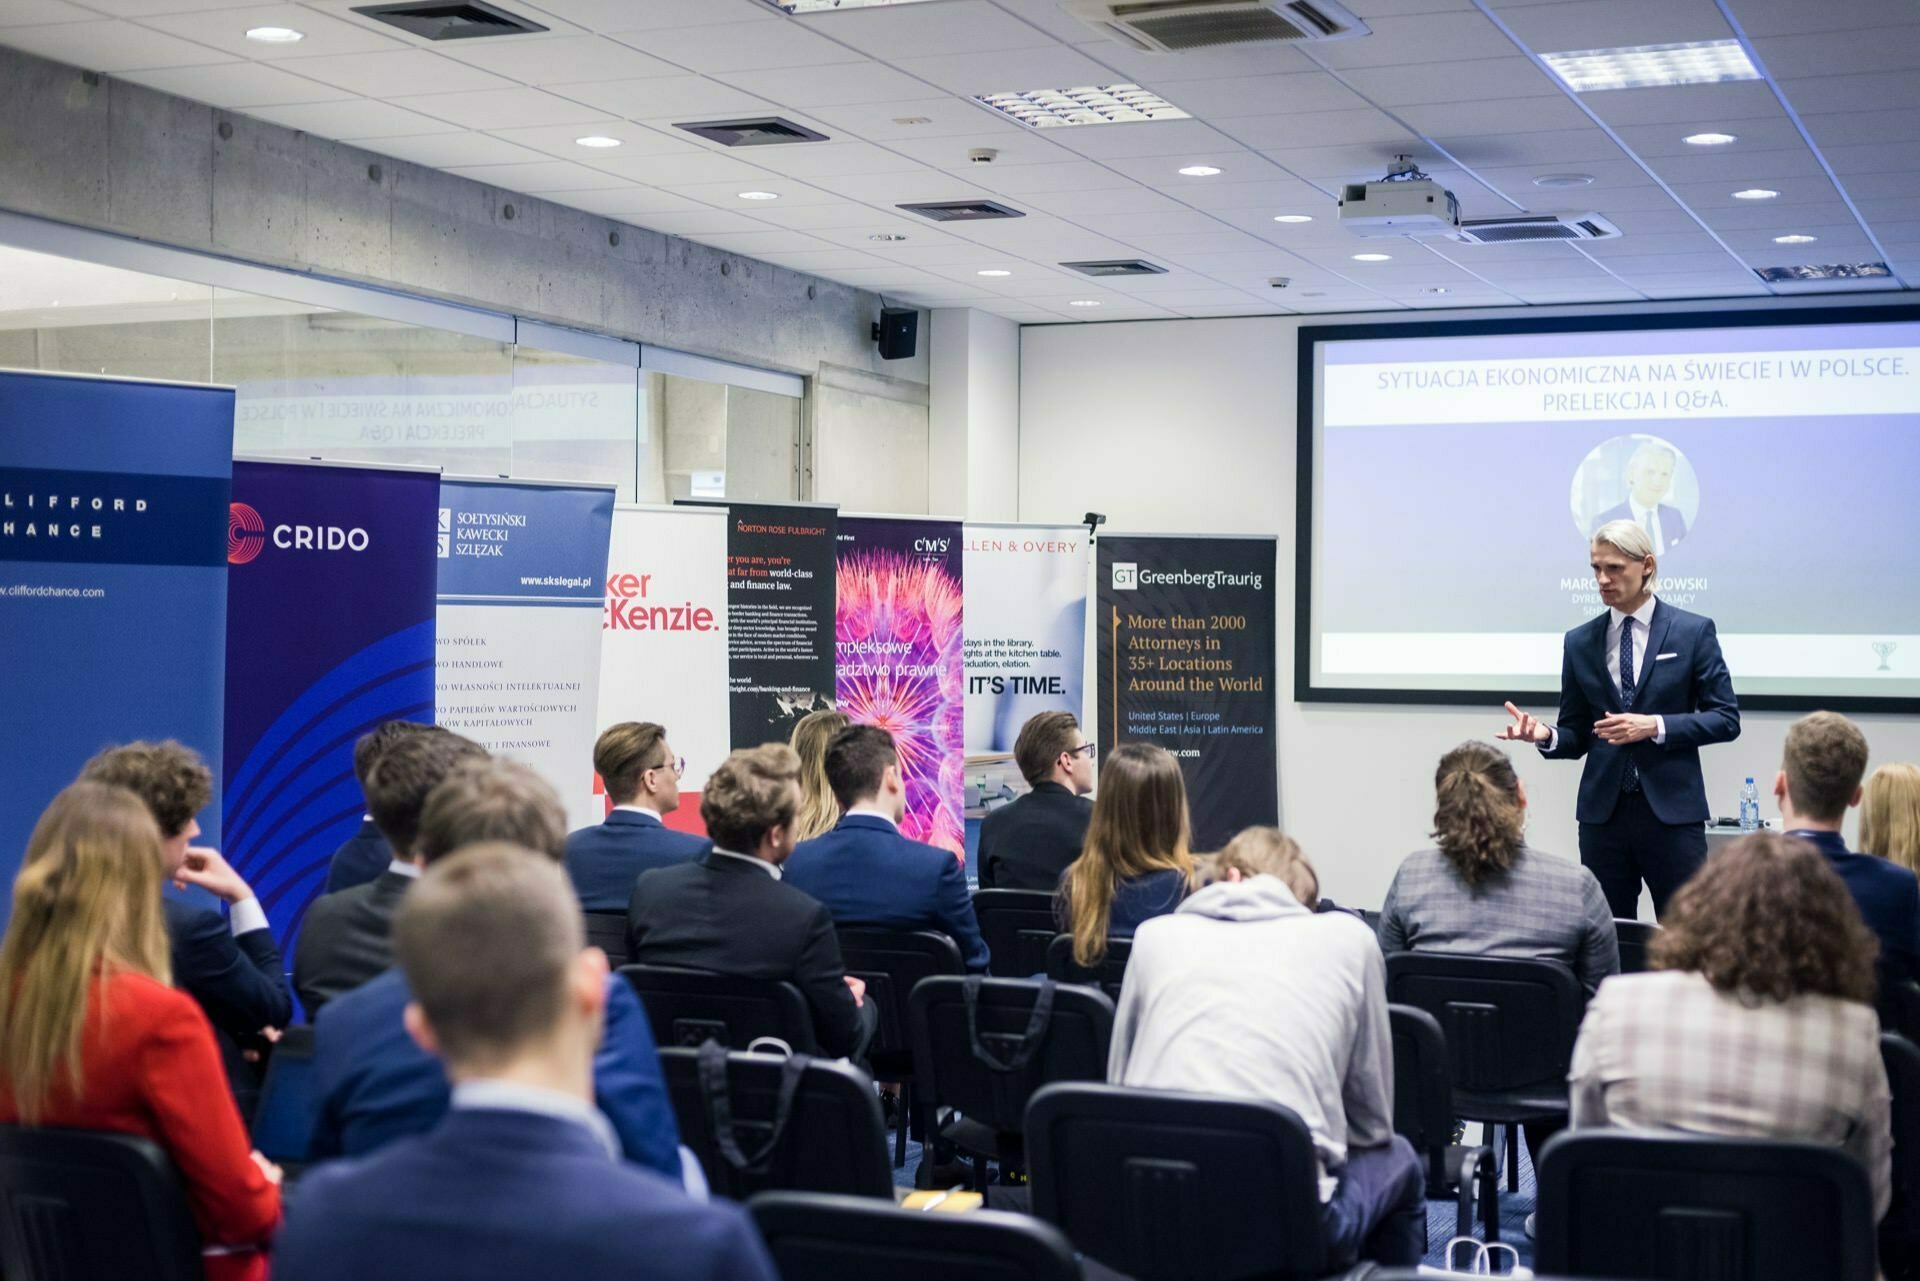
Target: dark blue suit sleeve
{"type": "Point", "coordinates": [240, 982]}
{"type": "Point", "coordinates": [1575, 726]}
{"type": "Point", "coordinates": [628, 1087]}
{"type": "Point", "coordinates": [331, 1046]}
{"type": "Point", "coordinates": [956, 914]}
{"type": "Point", "coordinates": [1716, 714]}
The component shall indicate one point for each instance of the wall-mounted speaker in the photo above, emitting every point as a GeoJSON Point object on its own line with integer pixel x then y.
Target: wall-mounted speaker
{"type": "Point", "coordinates": [896, 332]}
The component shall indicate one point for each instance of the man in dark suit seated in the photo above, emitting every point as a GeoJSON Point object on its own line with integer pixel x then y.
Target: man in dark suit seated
{"type": "Point", "coordinates": [365, 854]}
{"type": "Point", "coordinates": [375, 1085]}
{"type": "Point", "coordinates": [865, 870]}
{"type": "Point", "coordinates": [1818, 782]}
{"type": "Point", "coordinates": [1028, 844]}
{"type": "Point", "coordinates": [522, 1177]}
{"type": "Point", "coordinates": [730, 912]}
{"type": "Point", "coordinates": [345, 940]}
{"type": "Point", "coordinates": [642, 778]}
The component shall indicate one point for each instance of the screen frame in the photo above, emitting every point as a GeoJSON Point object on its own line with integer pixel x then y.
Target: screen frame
{"type": "Point", "coordinates": [1311, 336]}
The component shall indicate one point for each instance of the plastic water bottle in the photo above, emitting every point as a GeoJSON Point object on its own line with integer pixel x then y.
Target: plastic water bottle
{"type": "Point", "coordinates": [1749, 807]}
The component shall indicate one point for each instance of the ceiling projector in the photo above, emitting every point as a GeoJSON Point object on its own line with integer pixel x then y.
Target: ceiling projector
{"type": "Point", "coordinates": [1404, 203]}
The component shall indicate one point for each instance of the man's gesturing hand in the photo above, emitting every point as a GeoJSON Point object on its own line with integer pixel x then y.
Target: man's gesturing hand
{"type": "Point", "coordinates": [1524, 729]}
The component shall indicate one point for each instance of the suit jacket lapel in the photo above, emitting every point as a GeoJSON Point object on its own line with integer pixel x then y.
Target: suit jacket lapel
{"type": "Point", "coordinates": [1598, 649]}
{"type": "Point", "coordinates": [1656, 637]}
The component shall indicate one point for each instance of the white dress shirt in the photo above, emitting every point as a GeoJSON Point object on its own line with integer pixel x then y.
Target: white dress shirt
{"type": "Point", "coordinates": [511, 1096]}
{"type": "Point", "coordinates": [648, 810]}
{"type": "Point", "coordinates": [769, 868]}
{"type": "Point", "coordinates": [406, 868]}
{"type": "Point", "coordinates": [1641, 620]}
{"type": "Point", "coordinates": [867, 811]}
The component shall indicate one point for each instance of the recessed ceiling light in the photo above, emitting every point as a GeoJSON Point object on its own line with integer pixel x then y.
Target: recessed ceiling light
{"type": "Point", "coordinates": [993, 271]}
{"type": "Point", "coordinates": [1700, 62]}
{"type": "Point", "coordinates": [1199, 171]}
{"type": "Point", "coordinates": [596, 140]}
{"type": "Point", "coordinates": [759, 195]}
{"type": "Point", "coordinates": [1709, 139]}
{"type": "Point", "coordinates": [1795, 239]}
{"type": "Point", "coordinates": [1084, 302]}
{"type": "Point", "coordinates": [887, 236]}
{"type": "Point", "coordinates": [1087, 105]}
{"type": "Point", "coordinates": [1372, 257]}
{"type": "Point", "coordinates": [1755, 193]}
{"type": "Point", "coordinates": [1293, 217]}
{"type": "Point", "coordinates": [1556, 180]}
{"type": "Point", "coordinates": [275, 35]}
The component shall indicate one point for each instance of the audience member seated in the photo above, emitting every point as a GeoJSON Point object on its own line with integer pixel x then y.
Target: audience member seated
{"type": "Point", "coordinates": [730, 913]}
{"type": "Point", "coordinates": [1136, 864]}
{"type": "Point", "coordinates": [865, 870]}
{"type": "Point", "coordinates": [521, 1178]}
{"type": "Point", "coordinates": [231, 966]}
{"type": "Point", "coordinates": [376, 1085]}
{"type": "Point", "coordinates": [92, 1037]}
{"type": "Point", "coordinates": [819, 811]}
{"type": "Point", "coordinates": [1756, 1021]}
{"type": "Point", "coordinates": [1890, 815]}
{"type": "Point", "coordinates": [366, 854]}
{"type": "Point", "coordinates": [1245, 991]}
{"type": "Point", "coordinates": [1028, 844]}
{"type": "Point", "coordinates": [345, 938]}
{"type": "Point", "coordinates": [642, 778]}
{"type": "Point", "coordinates": [1819, 779]}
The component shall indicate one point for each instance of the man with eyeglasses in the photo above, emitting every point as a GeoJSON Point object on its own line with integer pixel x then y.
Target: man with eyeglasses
{"type": "Point", "coordinates": [642, 779]}
{"type": "Point", "coordinates": [1028, 844]}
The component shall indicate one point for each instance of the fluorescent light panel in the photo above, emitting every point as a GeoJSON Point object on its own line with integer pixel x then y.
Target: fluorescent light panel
{"type": "Point", "coordinates": [1647, 66]}
{"type": "Point", "coordinates": [1087, 105]}
{"type": "Point", "coordinates": [1822, 271]}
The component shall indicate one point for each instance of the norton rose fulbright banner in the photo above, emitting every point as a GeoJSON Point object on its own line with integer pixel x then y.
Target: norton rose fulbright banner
{"type": "Point", "coordinates": [780, 593]}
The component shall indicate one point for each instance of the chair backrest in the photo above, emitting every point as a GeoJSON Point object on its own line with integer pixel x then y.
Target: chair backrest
{"type": "Point", "coordinates": [1107, 976]}
{"type": "Point", "coordinates": [1164, 1186]}
{"type": "Point", "coordinates": [1898, 1002]}
{"type": "Point", "coordinates": [833, 1139]}
{"type": "Point", "coordinates": [1509, 1024]}
{"type": "Point", "coordinates": [608, 932]}
{"type": "Point", "coordinates": [835, 1238]}
{"type": "Point", "coordinates": [890, 962]}
{"type": "Point", "coordinates": [687, 1007]}
{"type": "Point", "coordinates": [289, 1104]}
{"type": "Point", "coordinates": [1017, 926]}
{"type": "Point", "coordinates": [76, 1205]}
{"type": "Point", "coordinates": [982, 1047]}
{"type": "Point", "coordinates": [1901, 1226]}
{"type": "Point", "coordinates": [1422, 1091]}
{"type": "Point", "coordinates": [1635, 938]}
{"type": "Point", "coordinates": [1702, 1207]}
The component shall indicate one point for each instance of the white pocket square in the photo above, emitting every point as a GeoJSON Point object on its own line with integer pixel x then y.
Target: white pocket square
{"type": "Point", "coordinates": [1663, 657]}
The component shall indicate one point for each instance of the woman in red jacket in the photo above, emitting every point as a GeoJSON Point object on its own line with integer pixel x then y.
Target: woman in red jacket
{"type": "Point", "coordinates": [93, 1038]}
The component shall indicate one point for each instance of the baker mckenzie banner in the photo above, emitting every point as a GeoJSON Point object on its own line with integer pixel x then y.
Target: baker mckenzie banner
{"type": "Point", "coordinates": [518, 650]}
{"type": "Point", "coordinates": [1186, 645]}
{"type": "Point", "coordinates": [1026, 628]}
{"type": "Point", "coordinates": [330, 624]}
{"type": "Point", "coordinates": [113, 593]}
{"type": "Point", "coordinates": [898, 640]}
{"type": "Point", "coordinates": [780, 587]}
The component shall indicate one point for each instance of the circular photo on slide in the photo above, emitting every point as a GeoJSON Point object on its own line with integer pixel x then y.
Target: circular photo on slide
{"type": "Point", "coordinates": [1640, 478]}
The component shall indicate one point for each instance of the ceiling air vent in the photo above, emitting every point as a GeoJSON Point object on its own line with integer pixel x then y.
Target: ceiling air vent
{"type": "Point", "coordinates": [961, 210]}
{"type": "Point", "coordinates": [1118, 267]}
{"type": "Point", "coordinates": [765, 131]}
{"type": "Point", "coordinates": [465, 20]}
{"type": "Point", "coordinates": [1524, 227]}
{"type": "Point", "coordinates": [1178, 26]}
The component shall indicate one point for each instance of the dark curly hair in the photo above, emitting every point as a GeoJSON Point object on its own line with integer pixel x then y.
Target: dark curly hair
{"type": "Point", "coordinates": [169, 776]}
{"type": "Point", "coordinates": [1478, 820]}
{"type": "Point", "coordinates": [1767, 919]}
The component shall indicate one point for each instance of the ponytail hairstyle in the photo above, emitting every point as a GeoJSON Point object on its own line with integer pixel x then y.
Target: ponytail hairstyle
{"type": "Point", "coordinates": [1478, 819]}
{"type": "Point", "coordinates": [1139, 825]}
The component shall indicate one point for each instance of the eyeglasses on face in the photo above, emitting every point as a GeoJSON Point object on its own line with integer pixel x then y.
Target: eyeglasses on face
{"type": "Point", "coordinates": [1085, 749]}
{"type": "Point", "coordinates": [678, 765]}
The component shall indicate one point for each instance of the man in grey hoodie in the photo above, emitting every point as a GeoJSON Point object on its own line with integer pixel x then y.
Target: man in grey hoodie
{"type": "Point", "coordinates": [1246, 992]}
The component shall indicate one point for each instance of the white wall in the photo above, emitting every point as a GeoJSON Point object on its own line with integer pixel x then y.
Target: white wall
{"type": "Point", "coordinates": [974, 416]}
{"type": "Point", "coordinates": [1188, 426]}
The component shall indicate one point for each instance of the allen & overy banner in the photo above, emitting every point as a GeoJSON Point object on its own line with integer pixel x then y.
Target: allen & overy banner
{"type": "Point", "coordinates": [898, 639]}
{"type": "Point", "coordinates": [1186, 660]}
{"type": "Point", "coordinates": [113, 592]}
{"type": "Point", "coordinates": [330, 629]}
{"type": "Point", "coordinates": [1026, 628]}
{"type": "Point", "coordinates": [518, 649]}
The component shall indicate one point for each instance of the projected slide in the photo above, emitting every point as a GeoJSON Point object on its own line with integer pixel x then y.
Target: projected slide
{"type": "Point", "coordinates": [1458, 476]}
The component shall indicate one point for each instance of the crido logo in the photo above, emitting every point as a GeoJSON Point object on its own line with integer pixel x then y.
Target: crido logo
{"type": "Point", "coordinates": [246, 533]}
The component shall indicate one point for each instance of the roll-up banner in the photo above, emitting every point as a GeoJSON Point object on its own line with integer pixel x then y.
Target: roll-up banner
{"type": "Point", "coordinates": [1186, 660]}
{"type": "Point", "coordinates": [330, 627]}
{"type": "Point", "coordinates": [113, 593]}
{"type": "Point", "coordinates": [517, 663]}
{"type": "Point", "coordinates": [898, 638]}
{"type": "Point", "coordinates": [663, 652]}
{"type": "Point", "coordinates": [780, 592]}
{"type": "Point", "coordinates": [1026, 628]}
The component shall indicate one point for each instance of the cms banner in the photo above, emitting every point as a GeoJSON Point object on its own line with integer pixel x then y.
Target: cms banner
{"type": "Point", "coordinates": [113, 594]}
{"type": "Point", "coordinates": [518, 647]}
{"type": "Point", "coordinates": [1186, 660]}
{"type": "Point", "coordinates": [330, 622]}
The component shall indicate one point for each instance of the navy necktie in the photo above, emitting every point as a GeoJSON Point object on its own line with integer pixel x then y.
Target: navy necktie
{"type": "Point", "coordinates": [1630, 778]}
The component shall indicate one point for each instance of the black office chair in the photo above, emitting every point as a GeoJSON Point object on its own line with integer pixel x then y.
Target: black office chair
{"type": "Point", "coordinates": [289, 1102]}
{"type": "Point", "coordinates": [1178, 1187]}
{"type": "Point", "coordinates": [834, 1238]}
{"type": "Point", "coordinates": [890, 962]}
{"type": "Point", "coordinates": [608, 932]}
{"type": "Point", "coordinates": [1898, 1001]}
{"type": "Point", "coordinates": [1017, 925]}
{"type": "Point", "coordinates": [799, 1124]}
{"type": "Point", "coordinates": [1635, 938]}
{"type": "Point", "coordinates": [1423, 1115]}
{"type": "Point", "coordinates": [1107, 976]}
{"type": "Point", "coordinates": [688, 1007]}
{"type": "Point", "coordinates": [1509, 1027]}
{"type": "Point", "coordinates": [1900, 1229]}
{"type": "Point", "coordinates": [1700, 1206]}
{"type": "Point", "coordinates": [77, 1205]}
{"type": "Point", "coordinates": [983, 1046]}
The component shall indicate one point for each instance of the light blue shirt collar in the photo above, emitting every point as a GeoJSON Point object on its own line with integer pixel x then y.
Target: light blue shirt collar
{"type": "Point", "coordinates": [511, 1096]}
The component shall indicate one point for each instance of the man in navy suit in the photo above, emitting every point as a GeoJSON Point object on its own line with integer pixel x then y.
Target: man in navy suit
{"type": "Point", "coordinates": [864, 870]}
{"type": "Point", "coordinates": [363, 856]}
{"type": "Point", "coordinates": [1650, 479]}
{"type": "Point", "coordinates": [1819, 781]}
{"type": "Point", "coordinates": [1642, 689]}
{"type": "Point", "coordinates": [375, 1085]}
{"type": "Point", "coordinates": [642, 778]}
{"type": "Point", "coordinates": [522, 1177]}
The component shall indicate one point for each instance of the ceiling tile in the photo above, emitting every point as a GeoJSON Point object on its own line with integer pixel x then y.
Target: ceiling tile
{"type": "Point", "coordinates": [683, 168]}
{"type": "Point", "coordinates": [1743, 169]}
{"type": "Point", "coordinates": [537, 176]}
{"type": "Point", "coordinates": [373, 74]}
{"type": "Point", "coordinates": [1156, 70]}
{"type": "Point", "coordinates": [635, 140]}
{"type": "Point", "coordinates": [109, 46]}
{"type": "Point", "coordinates": [1481, 79]}
{"type": "Point", "coordinates": [1607, 175]}
{"type": "Point", "coordinates": [1020, 146]}
{"type": "Point", "coordinates": [33, 13]}
{"type": "Point", "coordinates": [1754, 134]}
{"type": "Point", "coordinates": [236, 85]}
{"type": "Point", "coordinates": [1128, 226]}
{"type": "Point", "coordinates": [1795, 17]}
{"type": "Point", "coordinates": [1316, 129]}
{"type": "Point", "coordinates": [561, 59]}
{"type": "Point", "coordinates": [944, 117]}
{"type": "Point", "coordinates": [831, 159]}
{"type": "Point", "coordinates": [833, 86]}
{"type": "Point", "coordinates": [726, 195]}
{"type": "Point", "coordinates": [769, 240]}
{"type": "Point", "coordinates": [1554, 149]}
{"type": "Point", "coordinates": [905, 31]}
{"type": "Point", "coordinates": [1265, 95]}
{"type": "Point", "coordinates": [653, 97]}
{"type": "Point", "coordinates": [1281, 196]}
{"type": "Point", "coordinates": [1673, 242]}
{"type": "Point", "coordinates": [1702, 196]}
{"type": "Point", "coordinates": [1021, 180]}
{"type": "Point", "coordinates": [625, 15]}
{"type": "Point", "coordinates": [1148, 138]}
{"type": "Point", "coordinates": [703, 222]}
{"type": "Point", "coordinates": [754, 46]}
{"type": "Point", "coordinates": [1123, 200]}
{"type": "Point", "coordinates": [1894, 48]}
{"type": "Point", "coordinates": [445, 150]}
{"type": "Point", "coordinates": [822, 260]}
{"type": "Point", "coordinates": [843, 213]}
{"type": "Point", "coordinates": [1632, 268]}
{"type": "Point", "coordinates": [1698, 107]}
{"type": "Point", "coordinates": [1736, 215]}
{"type": "Point", "coordinates": [632, 203]}
{"type": "Point", "coordinates": [353, 121]}
{"type": "Point", "coordinates": [1419, 39]}
{"type": "Point", "coordinates": [502, 108]}
{"type": "Point", "coordinates": [1508, 115]}
{"type": "Point", "coordinates": [1879, 91]}
{"type": "Point", "coordinates": [1011, 71]}
{"type": "Point", "coordinates": [1614, 24]}
{"type": "Point", "coordinates": [226, 29]}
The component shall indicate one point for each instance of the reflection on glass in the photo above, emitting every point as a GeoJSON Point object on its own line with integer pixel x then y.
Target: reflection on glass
{"type": "Point", "coordinates": [723, 441]}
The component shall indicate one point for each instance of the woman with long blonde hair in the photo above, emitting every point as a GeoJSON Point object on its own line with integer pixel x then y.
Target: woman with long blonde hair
{"type": "Point", "coordinates": [819, 811]}
{"type": "Point", "coordinates": [1890, 815]}
{"type": "Point", "coordinates": [93, 1038]}
{"type": "Point", "coordinates": [1137, 863]}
